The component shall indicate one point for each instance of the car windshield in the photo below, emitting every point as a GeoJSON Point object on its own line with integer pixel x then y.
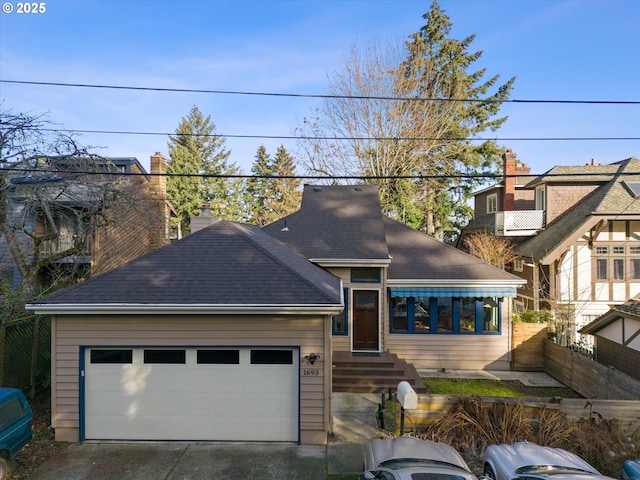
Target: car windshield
{"type": "Point", "coordinates": [397, 463]}
{"type": "Point", "coordinates": [549, 470]}
{"type": "Point", "coordinates": [435, 476]}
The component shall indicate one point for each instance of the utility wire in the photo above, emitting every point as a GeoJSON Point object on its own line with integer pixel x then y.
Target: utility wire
{"type": "Point", "coordinates": [306, 137]}
{"type": "Point", "coordinates": [38, 174]}
{"type": "Point", "coordinates": [307, 95]}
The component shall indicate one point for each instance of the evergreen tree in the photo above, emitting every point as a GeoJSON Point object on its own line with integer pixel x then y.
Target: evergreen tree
{"type": "Point", "coordinates": [271, 195]}
{"type": "Point", "coordinates": [197, 157]}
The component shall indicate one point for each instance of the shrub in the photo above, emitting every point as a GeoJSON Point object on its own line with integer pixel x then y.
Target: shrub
{"type": "Point", "coordinates": [533, 316]}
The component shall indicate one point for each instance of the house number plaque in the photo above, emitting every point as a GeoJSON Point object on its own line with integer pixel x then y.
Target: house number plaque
{"type": "Point", "coordinates": [310, 372]}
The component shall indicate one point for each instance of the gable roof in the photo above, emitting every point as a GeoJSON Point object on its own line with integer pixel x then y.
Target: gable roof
{"type": "Point", "coordinates": [224, 268]}
{"type": "Point", "coordinates": [631, 309]}
{"type": "Point", "coordinates": [338, 224]}
{"type": "Point", "coordinates": [344, 226]}
{"type": "Point", "coordinates": [612, 200]}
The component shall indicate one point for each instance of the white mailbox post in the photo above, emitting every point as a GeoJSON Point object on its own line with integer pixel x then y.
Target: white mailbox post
{"type": "Point", "coordinates": [408, 398]}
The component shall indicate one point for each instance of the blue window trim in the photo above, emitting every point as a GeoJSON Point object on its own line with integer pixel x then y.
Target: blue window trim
{"type": "Point", "coordinates": [378, 275]}
{"type": "Point", "coordinates": [433, 311]}
{"type": "Point", "coordinates": [346, 317]}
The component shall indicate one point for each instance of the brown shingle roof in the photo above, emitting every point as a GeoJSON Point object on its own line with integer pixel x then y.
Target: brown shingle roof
{"type": "Point", "coordinates": [224, 264]}
{"type": "Point", "coordinates": [335, 222]}
{"type": "Point", "coordinates": [417, 256]}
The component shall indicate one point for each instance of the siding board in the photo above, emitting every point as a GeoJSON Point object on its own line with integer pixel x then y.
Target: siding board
{"type": "Point", "coordinates": [72, 332]}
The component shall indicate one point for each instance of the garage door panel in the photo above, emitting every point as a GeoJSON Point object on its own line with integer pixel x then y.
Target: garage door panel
{"type": "Point", "coordinates": [190, 428]}
{"type": "Point", "coordinates": [191, 401]}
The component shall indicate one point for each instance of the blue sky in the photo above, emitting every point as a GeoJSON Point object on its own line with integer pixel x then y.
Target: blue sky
{"type": "Point", "coordinates": [558, 50]}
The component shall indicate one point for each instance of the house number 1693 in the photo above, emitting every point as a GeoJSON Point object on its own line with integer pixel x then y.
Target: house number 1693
{"type": "Point", "coordinates": [310, 372]}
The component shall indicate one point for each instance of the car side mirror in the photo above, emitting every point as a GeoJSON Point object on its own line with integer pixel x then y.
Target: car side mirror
{"type": "Point", "coordinates": [369, 475]}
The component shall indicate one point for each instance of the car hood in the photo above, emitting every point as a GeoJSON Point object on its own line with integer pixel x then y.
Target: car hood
{"type": "Point", "coordinates": [522, 454]}
{"type": "Point", "coordinates": [410, 447]}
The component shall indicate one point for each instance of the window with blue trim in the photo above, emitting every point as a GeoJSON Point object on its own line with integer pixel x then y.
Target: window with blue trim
{"type": "Point", "coordinates": [459, 315]}
{"type": "Point", "coordinates": [339, 323]}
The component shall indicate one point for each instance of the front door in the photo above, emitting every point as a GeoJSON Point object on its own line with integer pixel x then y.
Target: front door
{"type": "Point", "coordinates": [365, 320]}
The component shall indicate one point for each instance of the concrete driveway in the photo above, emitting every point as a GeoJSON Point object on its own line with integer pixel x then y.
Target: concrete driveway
{"type": "Point", "coordinates": [354, 424]}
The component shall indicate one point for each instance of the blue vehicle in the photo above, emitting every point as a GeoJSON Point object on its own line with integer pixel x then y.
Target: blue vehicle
{"type": "Point", "coordinates": [16, 426]}
{"type": "Point", "coordinates": [631, 470]}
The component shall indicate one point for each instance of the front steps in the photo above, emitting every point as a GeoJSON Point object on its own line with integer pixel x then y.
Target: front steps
{"type": "Point", "coordinates": [372, 373]}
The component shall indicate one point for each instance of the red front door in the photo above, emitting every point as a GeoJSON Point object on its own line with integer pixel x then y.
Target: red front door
{"type": "Point", "coordinates": [365, 320]}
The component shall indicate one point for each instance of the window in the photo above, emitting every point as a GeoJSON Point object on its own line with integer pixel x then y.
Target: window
{"type": "Point", "coordinates": [601, 269]}
{"type": "Point", "coordinates": [165, 356]}
{"type": "Point", "coordinates": [617, 263]}
{"type": "Point", "coordinates": [492, 203]}
{"type": "Point", "coordinates": [400, 315]}
{"type": "Point", "coordinates": [634, 269]}
{"type": "Point", "coordinates": [618, 268]}
{"type": "Point", "coordinates": [490, 315]}
{"type": "Point", "coordinates": [518, 265]}
{"type": "Point", "coordinates": [365, 274]}
{"type": "Point", "coordinates": [111, 356]}
{"type": "Point", "coordinates": [445, 314]}
{"type": "Point", "coordinates": [422, 315]}
{"type": "Point", "coordinates": [466, 315]}
{"type": "Point", "coordinates": [339, 322]}
{"type": "Point", "coordinates": [9, 413]}
{"type": "Point", "coordinates": [271, 357]}
{"type": "Point", "coordinates": [541, 201]}
{"type": "Point", "coordinates": [218, 357]}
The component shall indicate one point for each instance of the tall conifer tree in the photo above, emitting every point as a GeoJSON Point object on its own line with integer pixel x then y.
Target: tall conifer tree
{"type": "Point", "coordinates": [198, 158]}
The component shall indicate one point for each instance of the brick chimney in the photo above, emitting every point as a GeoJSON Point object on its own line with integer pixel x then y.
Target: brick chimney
{"type": "Point", "coordinates": [511, 169]}
{"type": "Point", "coordinates": [158, 174]}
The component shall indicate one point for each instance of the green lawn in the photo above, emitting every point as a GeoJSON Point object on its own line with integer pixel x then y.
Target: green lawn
{"type": "Point", "coordinates": [493, 388]}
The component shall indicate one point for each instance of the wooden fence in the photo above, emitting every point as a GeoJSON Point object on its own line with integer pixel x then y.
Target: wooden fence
{"type": "Point", "coordinates": [528, 346]}
{"type": "Point", "coordinates": [588, 377]}
{"type": "Point", "coordinates": [432, 407]}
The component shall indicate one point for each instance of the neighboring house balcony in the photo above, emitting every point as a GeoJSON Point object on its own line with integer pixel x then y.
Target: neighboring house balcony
{"type": "Point", "coordinates": [519, 223]}
{"type": "Point", "coordinates": [64, 242]}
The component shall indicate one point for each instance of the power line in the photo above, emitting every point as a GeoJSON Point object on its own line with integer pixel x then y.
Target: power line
{"type": "Point", "coordinates": [306, 137]}
{"type": "Point", "coordinates": [323, 96]}
{"type": "Point", "coordinates": [470, 176]}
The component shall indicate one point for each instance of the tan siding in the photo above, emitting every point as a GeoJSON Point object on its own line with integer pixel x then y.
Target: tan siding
{"type": "Point", "coordinates": [466, 352]}
{"type": "Point", "coordinates": [74, 331]}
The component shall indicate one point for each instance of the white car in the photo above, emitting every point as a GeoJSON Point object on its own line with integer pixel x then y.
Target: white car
{"type": "Point", "coordinates": [409, 458]}
{"type": "Point", "coordinates": [528, 461]}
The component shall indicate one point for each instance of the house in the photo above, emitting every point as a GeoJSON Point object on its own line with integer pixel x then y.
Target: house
{"type": "Point", "coordinates": [222, 335]}
{"type": "Point", "coordinates": [230, 333]}
{"type": "Point", "coordinates": [617, 338]}
{"type": "Point", "coordinates": [49, 198]}
{"type": "Point", "coordinates": [576, 232]}
{"type": "Point", "coordinates": [405, 292]}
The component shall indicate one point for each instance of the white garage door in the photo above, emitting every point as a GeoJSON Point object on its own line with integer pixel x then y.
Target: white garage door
{"type": "Point", "coordinates": [248, 394]}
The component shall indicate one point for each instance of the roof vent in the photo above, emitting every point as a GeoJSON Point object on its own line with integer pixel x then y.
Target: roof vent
{"type": "Point", "coordinates": [317, 188]}
{"type": "Point", "coordinates": [358, 188]}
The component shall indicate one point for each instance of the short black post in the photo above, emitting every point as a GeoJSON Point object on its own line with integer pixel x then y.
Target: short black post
{"type": "Point", "coordinates": [401, 420]}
